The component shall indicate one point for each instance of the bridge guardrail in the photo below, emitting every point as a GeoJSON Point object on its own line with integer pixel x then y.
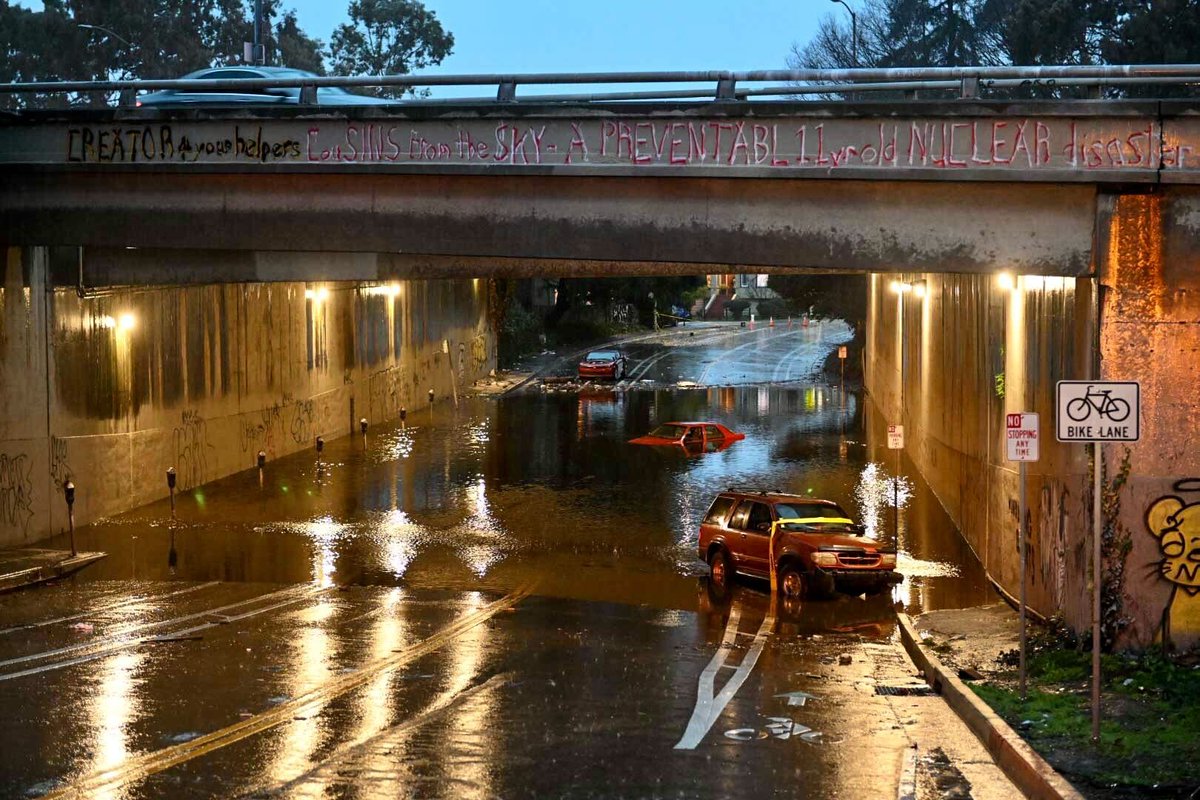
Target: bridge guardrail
{"type": "Point", "coordinates": [721, 86]}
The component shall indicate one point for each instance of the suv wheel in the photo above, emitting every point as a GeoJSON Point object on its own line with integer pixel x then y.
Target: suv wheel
{"type": "Point", "coordinates": [722, 570]}
{"type": "Point", "coordinates": [793, 583]}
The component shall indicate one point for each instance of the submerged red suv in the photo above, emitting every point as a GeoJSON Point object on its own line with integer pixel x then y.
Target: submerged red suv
{"type": "Point", "coordinates": [817, 547]}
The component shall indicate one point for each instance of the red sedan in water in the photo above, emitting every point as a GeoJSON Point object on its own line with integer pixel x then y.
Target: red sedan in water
{"type": "Point", "coordinates": [603, 364]}
{"type": "Point", "coordinates": [704, 436]}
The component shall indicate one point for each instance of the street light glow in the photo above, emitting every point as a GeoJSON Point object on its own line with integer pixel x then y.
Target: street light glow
{"type": "Point", "coordinates": [127, 321]}
{"type": "Point", "coordinates": [1006, 280]}
{"type": "Point", "coordinates": [900, 287]}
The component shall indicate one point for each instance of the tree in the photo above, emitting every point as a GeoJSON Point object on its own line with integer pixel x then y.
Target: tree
{"type": "Point", "coordinates": [295, 47]}
{"type": "Point", "coordinates": [941, 33]}
{"type": "Point", "coordinates": [388, 37]}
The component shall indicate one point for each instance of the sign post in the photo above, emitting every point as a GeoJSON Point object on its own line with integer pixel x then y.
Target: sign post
{"type": "Point", "coordinates": [1097, 412]}
{"type": "Point", "coordinates": [896, 442]}
{"type": "Point", "coordinates": [842, 358]}
{"type": "Point", "coordinates": [1021, 437]}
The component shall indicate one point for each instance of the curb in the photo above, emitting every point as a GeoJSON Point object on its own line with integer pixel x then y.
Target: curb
{"type": "Point", "coordinates": [33, 576]}
{"type": "Point", "coordinates": [1031, 773]}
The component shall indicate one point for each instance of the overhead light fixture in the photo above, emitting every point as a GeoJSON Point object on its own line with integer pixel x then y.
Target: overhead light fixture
{"type": "Point", "coordinates": [920, 289]}
{"type": "Point", "coordinates": [127, 321]}
{"type": "Point", "coordinates": [900, 287]}
{"type": "Point", "coordinates": [1006, 281]}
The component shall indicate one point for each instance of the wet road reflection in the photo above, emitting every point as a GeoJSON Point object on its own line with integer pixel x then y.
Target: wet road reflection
{"type": "Point", "coordinates": [499, 601]}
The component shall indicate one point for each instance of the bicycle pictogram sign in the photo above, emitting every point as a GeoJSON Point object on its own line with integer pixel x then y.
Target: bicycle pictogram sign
{"type": "Point", "coordinates": [1098, 411]}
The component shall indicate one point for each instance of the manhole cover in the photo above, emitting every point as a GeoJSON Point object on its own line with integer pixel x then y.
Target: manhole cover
{"type": "Point", "coordinates": [905, 691]}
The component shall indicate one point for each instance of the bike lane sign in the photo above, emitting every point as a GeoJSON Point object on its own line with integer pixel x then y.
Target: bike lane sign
{"type": "Point", "coordinates": [1098, 411]}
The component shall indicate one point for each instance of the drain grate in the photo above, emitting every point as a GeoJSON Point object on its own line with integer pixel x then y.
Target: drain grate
{"type": "Point", "coordinates": [916, 689]}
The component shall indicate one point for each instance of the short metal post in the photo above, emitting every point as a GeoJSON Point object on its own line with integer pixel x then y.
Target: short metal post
{"type": "Point", "coordinates": [69, 493]}
{"type": "Point", "coordinates": [896, 503]}
{"type": "Point", "coordinates": [431, 406]}
{"type": "Point", "coordinates": [171, 488]}
{"type": "Point", "coordinates": [403, 417]}
{"type": "Point", "coordinates": [362, 426]}
{"type": "Point", "coordinates": [320, 447]}
{"type": "Point", "coordinates": [262, 462]}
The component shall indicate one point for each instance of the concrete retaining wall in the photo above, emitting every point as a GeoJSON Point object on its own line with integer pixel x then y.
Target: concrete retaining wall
{"type": "Point", "coordinates": [112, 388]}
{"type": "Point", "coordinates": [948, 359]}
{"type": "Point", "coordinates": [950, 364]}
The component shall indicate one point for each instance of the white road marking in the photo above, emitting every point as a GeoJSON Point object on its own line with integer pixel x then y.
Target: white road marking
{"type": "Point", "coordinates": [101, 650]}
{"type": "Point", "coordinates": [708, 706]}
{"type": "Point", "coordinates": [102, 609]}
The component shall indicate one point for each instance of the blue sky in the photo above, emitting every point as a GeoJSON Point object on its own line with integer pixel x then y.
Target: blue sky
{"type": "Point", "coordinates": [611, 35]}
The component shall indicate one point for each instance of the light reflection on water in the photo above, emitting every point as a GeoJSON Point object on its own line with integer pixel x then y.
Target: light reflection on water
{"type": "Point", "coordinates": [502, 490]}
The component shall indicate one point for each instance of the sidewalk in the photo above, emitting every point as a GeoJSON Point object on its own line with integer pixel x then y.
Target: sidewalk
{"type": "Point", "coordinates": [950, 645]}
{"type": "Point", "coordinates": [30, 566]}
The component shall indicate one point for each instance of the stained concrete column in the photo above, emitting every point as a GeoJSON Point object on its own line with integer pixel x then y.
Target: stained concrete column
{"type": "Point", "coordinates": [1149, 257]}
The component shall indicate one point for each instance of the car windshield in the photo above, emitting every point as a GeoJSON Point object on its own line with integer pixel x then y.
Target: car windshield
{"type": "Point", "coordinates": [601, 355]}
{"type": "Point", "coordinates": [814, 517]}
{"type": "Point", "coordinates": [669, 431]}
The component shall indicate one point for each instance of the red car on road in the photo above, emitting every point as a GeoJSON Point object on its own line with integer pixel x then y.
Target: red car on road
{"type": "Point", "coordinates": [609, 364]}
{"type": "Point", "coordinates": [701, 436]}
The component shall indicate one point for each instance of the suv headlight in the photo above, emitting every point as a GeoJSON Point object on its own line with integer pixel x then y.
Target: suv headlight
{"type": "Point", "coordinates": [887, 560]}
{"type": "Point", "coordinates": [825, 559]}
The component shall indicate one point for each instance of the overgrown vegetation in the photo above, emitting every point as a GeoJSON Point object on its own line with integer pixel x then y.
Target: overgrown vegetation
{"type": "Point", "coordinates": [1150, 712]}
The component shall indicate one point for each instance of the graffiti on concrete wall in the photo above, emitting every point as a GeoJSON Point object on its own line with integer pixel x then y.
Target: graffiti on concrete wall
{"type": "Point", "coordinates": [60, 466]}
{"type": "Point", "coordinates": [16, 491]}
{"type": "Point", "coordinates": [302, 420]}
{"type": "Point", "coordinates": [191, 448]}
{"type": "Point", "coordinates": [1175, 523]}
{"type": "Point", "coordinates": [258, 430]}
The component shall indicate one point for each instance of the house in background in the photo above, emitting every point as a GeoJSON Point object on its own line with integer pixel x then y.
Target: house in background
{"type": "Point", "coordinates": [725, 287]}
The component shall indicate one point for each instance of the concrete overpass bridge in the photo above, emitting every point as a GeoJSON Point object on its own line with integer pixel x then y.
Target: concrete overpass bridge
{"type": "Point", "coordinates": [1092, 203]}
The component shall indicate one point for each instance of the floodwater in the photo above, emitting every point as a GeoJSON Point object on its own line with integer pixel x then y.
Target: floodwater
{"type": "Point", "coordinates": [495, 599]}
{"type": "Point", "coordinates": [499, 491]}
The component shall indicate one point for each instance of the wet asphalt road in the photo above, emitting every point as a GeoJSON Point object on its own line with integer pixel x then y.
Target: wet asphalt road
{"type": "Point", "coordinates": [499, 600]}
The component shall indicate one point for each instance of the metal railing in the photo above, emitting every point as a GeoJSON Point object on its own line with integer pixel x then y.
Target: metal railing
{"type": "Point", "coordinates": [968, 82]}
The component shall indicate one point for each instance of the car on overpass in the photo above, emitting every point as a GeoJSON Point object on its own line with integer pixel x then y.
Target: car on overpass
{"type": "Point", "coordinates": [237, 95]}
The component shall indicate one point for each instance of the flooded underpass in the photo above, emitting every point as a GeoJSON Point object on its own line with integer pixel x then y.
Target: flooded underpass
{"type": "Point", "coordinates": [496, 598]}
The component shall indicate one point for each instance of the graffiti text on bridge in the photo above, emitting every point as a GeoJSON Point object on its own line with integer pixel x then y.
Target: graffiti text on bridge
{"type": "Point", "coordinates": [1022, 143]}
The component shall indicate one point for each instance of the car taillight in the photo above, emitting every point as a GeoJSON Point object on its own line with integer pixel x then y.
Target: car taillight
{"type": "Point", "coordinates": [887, 560]}
{"type": "Point", "coordinates": [825, 559]}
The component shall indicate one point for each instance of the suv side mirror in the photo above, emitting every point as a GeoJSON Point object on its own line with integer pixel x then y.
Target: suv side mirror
{"type": "Point", "coordinates": [859, 530]}
{"type": "Point", "coordinates": [764, 527]}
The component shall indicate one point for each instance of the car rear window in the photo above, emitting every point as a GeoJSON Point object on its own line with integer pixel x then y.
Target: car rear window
{"type": "Point", "coordinates": [601, 355]}
{"type": "Point", "coordinates": [669, 432]}
{"type": "Point", "coordinates": [718, 512]}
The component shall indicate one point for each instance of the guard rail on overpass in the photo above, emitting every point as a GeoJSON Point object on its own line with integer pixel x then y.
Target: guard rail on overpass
{"type": "Point", "coordinates": [637, 181]}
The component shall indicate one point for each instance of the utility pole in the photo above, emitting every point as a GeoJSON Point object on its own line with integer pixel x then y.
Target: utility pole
{"type": "Point", "coordinates": [260, 51]}
{"type": "Point", "coordinates": [853, 31]}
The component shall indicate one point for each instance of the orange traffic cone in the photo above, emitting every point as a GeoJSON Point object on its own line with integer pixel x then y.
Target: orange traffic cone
{"type": "Point", "coordinates": [771, 324]}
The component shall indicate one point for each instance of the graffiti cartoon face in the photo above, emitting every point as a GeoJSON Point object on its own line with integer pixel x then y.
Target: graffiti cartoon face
{"type": "Point", "coordinates": [1176, 525]}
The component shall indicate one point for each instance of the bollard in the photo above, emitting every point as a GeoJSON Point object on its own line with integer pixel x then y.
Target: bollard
{"type": "Point", "coordinates": [69, 493]}
{"type": "Point", "coordinates": [171, 487]}
{"type": "Point", "coordinates": [262, 462]}
{"type": "Point", "coordinates": [320, 444]}
{"type": "Point", "coordinates": [431, 406]}
{"type": "Point", "coordinates": [362, 426]}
